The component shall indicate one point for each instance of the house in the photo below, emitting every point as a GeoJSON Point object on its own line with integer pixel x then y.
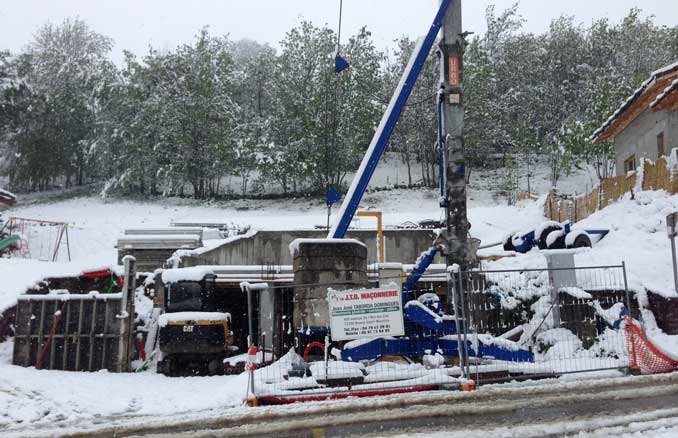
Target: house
{"type": "Point", "coordinates": [646, 125]}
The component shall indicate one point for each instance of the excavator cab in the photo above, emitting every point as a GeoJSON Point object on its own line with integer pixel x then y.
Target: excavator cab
{"type": "Point", "coordinates": [194, 336]}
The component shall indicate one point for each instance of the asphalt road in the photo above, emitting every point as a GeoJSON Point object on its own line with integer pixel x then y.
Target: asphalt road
{"type": "Point", "coordinates": [540, 410]}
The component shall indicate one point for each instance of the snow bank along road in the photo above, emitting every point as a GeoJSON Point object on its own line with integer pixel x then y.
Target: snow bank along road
{"type": "Point", "coordinates": [529, 409]}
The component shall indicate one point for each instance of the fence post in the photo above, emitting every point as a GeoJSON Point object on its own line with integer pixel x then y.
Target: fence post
{"type": "Point", "coordinates": [126, 315]}
{"type": "Point", "coordinates": [671, 221]}
{"type": "Point", "coordinates": [626, 288]}
{"type": "Point", "coordinates": [455, 292]}
{"type": "Point", "coordinates": [462, 304]}
{"type": "Point", "coordinates": [251, 335]}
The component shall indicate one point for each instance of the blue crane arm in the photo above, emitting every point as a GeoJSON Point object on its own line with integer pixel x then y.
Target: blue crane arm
{"type": "Point", "coordinates": [388, 123]}
{"type": "Point", "coordinates": [423, 262]}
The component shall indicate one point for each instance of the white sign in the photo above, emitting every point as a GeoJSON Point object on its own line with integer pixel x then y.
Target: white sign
{"type": "Point", "coordinates": [366, 313]}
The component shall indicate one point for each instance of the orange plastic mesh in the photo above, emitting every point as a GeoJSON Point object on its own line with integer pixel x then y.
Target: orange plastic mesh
{"type": "Point", "coordinates": [643, 354]}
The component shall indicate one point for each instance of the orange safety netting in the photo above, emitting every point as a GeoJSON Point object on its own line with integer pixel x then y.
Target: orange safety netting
{"type": "Point", "coordinates": [643, 354]}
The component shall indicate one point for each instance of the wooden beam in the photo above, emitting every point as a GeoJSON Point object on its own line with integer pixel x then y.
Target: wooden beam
{"type": "Point", "coordinates": [668, 102]}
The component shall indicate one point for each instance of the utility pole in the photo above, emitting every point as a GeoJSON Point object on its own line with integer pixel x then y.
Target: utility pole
{"type": "Point", "coordinates": [452, 95]}
{"type": "Point", "coordinates": [455, 237]}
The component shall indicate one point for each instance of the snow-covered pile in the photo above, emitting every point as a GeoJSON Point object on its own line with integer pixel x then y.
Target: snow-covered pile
{"type": "Point", "coordinates": [637, 237]}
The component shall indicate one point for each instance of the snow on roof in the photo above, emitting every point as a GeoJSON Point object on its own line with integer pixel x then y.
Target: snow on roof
{"type": "Point", "coordinates": [666, 92]}
{"type": "Point", "coordinates": [159, 237]}
{"type": "Point", "coordinates": [7, 196]}
{"type": "Point", "coordinates": [636, 94]}
{"type": "Point", "coordinates": [185, 274]}
{"type": "Point", "coordinates": [294, 246]}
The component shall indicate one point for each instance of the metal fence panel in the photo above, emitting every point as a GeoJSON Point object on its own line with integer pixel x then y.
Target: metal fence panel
{"type": "Point", "coordinates": [75, 332]}
{"type": "Point", "coordinates": [519, 324]}
{"type": "Point", "coordinates": [569, 319]}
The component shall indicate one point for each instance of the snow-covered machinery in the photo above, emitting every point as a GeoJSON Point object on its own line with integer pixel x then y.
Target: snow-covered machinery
{"type": "Point", "coordinates": [429, 331]}
{"type": "Point", "coordinates": [194, 332]}
{"type": "Point", "coordinates": [553, 235]}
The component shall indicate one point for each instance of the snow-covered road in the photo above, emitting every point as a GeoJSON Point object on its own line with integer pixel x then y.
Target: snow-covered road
{"type": "Point", "coordinates": [592, 408]}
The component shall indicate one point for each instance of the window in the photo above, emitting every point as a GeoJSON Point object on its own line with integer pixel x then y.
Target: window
{"type": "Point", "coordinates": [661, 149]}
{"type": "Point", "coordinates": [630, 163]}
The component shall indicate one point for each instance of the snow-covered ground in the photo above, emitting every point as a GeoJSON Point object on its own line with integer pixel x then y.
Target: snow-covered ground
{"type": "Point", "coordinates": [33, 399]}
{"type": "Point", "coordinates": [95, 224]}
{"type": "Point", "coordinates": [637, 237]}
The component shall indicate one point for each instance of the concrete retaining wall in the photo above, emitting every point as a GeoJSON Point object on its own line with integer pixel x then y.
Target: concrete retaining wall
{"type": "Point", "coordinates": [272, 247]}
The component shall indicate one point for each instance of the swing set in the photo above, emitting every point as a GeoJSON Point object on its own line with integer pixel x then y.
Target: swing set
{"type": "Point", "coordinates": [35, 238]}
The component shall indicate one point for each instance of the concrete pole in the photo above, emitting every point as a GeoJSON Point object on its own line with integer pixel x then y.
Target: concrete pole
{"type": "Point", "coordinates": [456, 235]}
{"type": "Point", "coordinates": [452, 69]}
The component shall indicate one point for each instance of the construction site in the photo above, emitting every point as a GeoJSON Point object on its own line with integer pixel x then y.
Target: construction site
{"type": "Point", "coordinates": [200, 322]}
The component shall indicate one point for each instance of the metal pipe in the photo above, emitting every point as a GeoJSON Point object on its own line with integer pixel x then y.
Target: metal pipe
{"type": "Point", "coordinates": [380, 231]}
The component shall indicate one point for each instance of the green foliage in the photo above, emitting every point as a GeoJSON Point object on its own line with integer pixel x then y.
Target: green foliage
{"type": "Point", "coordinates": [181, 121]}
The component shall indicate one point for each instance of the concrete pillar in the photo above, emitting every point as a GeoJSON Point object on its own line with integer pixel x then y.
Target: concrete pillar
{"type": "Point", "coordinates": [320, 264]}
{"type": "Point", "coordinates": [560, 264]}
{"type": "Point", "coordinates": [391, 273]}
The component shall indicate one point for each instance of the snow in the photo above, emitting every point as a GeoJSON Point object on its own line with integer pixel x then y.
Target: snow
{"type": "Point", "coordinates": [156, 237]}
{"type": "Point", "coordinates": [610, 315]}
{"type": "Point", "coordinates": [337, 370]}
{"type": "Point", "coordinates": [32, 399]}
{"type": "Point", "coordinates": [433, 360]}
{"type": "Point", "coordinates": [437, 318]}
{"type": "Point", "coordinates": [185, 274]}
{"type": "Point", "coordinates": [572, 236]}
{"type": "Point", "coordinates": [94, 295]}
{"type": "Point", "coordinates": [664, 93]}
{"type": "Point", "coordinates": [637, 236]}
{"type": "Point", "coordinates": [576, 292]}
{"type": "Point", "coordinates": [7, 193]}
{"type": "Point", "coordinates": [19, 275]}
{"type": "Point", "coordinates": [294, 246]}
{"type": "Point", "coordinates": [543, 226]}
{"type": "Point", "coordinates": [169, 318]}
{"type": "Point", "coordinates": [499, 342]}
{"type": "Point", "coordinates": [553, 236]}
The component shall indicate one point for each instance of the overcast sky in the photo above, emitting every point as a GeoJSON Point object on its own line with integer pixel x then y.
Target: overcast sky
{"type": "Point", "coordinates": [136, 24]}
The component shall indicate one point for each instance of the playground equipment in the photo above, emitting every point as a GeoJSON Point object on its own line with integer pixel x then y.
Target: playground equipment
{"type": "Point", "coordinates": [35, 238]}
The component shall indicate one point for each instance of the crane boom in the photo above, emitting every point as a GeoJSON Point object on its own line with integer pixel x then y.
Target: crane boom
{"type": "Point", "coordinates": [388, 123]}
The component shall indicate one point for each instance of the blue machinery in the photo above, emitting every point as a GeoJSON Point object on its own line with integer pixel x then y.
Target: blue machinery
{"type": "Point", "coordinates": [388, 123]}
{"type": "Point", "coordinates": [427, 329]}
